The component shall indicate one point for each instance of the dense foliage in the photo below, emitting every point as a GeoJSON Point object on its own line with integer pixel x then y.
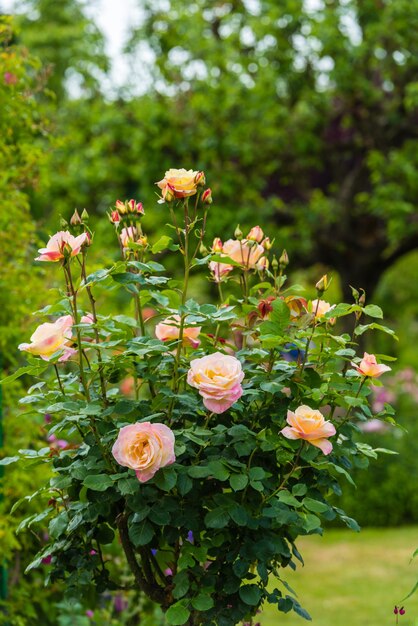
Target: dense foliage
{"type": "Point", "coordinates": [225, 436]}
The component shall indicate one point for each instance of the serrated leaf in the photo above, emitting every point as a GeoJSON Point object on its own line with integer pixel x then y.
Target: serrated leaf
{"type": "Point", "coordinates": [98, 482]}
{"type": "Point", "coordinates": [141, 533]}
{"type": "Point", "coordinates": [278, 321]}
{"type": "Point", "coordinates": [238, 481]}
{"type": "Point", "coordinates": [177, 615]}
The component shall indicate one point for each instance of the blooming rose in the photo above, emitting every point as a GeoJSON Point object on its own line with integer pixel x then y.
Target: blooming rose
{"type": "Point", "coordinates": [217, 377]}
{"type": "Point", "coordinates": [369, 366]}
{"type": "Point", "coordinates": [320, 307]}
{"type": "Point", "coordinates": [128, 235]}
{"type": "Point", "coordinates": [61, 242]}
{"type": "Point", "coordinates": [243, 252]}
{"type": "Point", "coordinates": [169, 330]}
{"type": "Point", "coordinates": [179, 183]}
{"type": "Point", "coordinates": [145, 448]}
{"type": "Point", "coordinates": [220, 270]}
{"type": "Point", "coordinates": [309, 424]}
{"type": "Point", "coordinates": [50, 338]}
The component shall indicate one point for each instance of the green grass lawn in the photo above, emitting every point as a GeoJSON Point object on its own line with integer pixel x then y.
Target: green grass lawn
{"type": "Point", "coordinates": [353, 579]}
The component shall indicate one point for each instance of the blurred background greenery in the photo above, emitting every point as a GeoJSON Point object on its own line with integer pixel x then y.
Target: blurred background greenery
{"type": "Point", "coordinates": [303, 116]}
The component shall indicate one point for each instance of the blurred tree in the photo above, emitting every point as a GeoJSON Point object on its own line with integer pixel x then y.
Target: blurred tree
{"type": "Point", "coordinates": [309, 108]}
{"type": "Point", "coordinates": [69, 44]}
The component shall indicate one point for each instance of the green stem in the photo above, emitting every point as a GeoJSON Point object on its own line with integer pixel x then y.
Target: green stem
{"type": "Point", "coordinates": [347, 416]}
{"type": "Point", "coordinates": [308, 341]}
{"type": "Point", "coordinates": [59, 379]}
{"type": "Point", "coordinates": [286, 478]}
{"type": "Point", "coordinates": [73, 292]}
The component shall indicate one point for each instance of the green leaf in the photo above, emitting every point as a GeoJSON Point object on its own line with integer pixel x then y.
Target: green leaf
{"type": "Point", "coordinates": [141, 534]}
{"type": "Point", "coordinates": [279, 319]}
{"type": "Point", "coordinates": [202, 602]}
{"type": "Point", "coordinates": [166, 479]}
{"type": "Point", "coordinates": [218, 470]}
{"type": "Point", "coordinates": [163, 243]}
{"type": "Point", "coordinates": [182, 584]}
{"type": "Point", "coordinates": [372, 310]}
{"type": "Point", "coordinates": [250, 594]}
{"type": "Point", "coordinates": [287, 498]}
{"type": "Point", "coordinates": [98, 482]}
{"type": "Point", "coordinates": [218, 518]}
{"type": "Point", "coordinates": [364, 327]}
{"type": "Point", "coordinates": [177, 615]}
{"type": "Point", "coordinates": [314, 505]}
{"type": "Point", "coordinates": [33, 370]}
{"type": "Point", "coordinates": [9, 459]}
{"type": "Point", "coordinates": [238, 481]}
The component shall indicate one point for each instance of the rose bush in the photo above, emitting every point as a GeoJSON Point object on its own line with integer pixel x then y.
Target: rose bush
{"type": "Point", "coordinates": [229, 447]}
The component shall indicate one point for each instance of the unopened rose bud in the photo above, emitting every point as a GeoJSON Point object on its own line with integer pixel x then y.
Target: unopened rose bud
{"type": "Point", "coordinates": [142, 241]}
{"type": "Point", "coordinates": [203, 249]}
{"type": "Point", "coordinates": [121, 207]}
{"type": "Point", "coordinates": [115, 217]}
{"type": "Point", "coordinates": [207, 196]}
{"type": "Point", "coordinates": [396, 610]}
{"type": "Point", "coordinates": [135, 207]}
{"type": "Point", "coordinates": [262, 264]}
{"type": "Point", "coordinates": [322, 285]}
{"type": "Point", "coordinates": [217, 245]}
{"type": "Point", "coordinates": [402, 611]}
{"type": "Point", "coordinates": [84, 215]}
{"type": "Point", "coordinates": [238, 233]}
{"type": "Point", "coordinates": [200, 179]}
{"type": "Point", "coordinates": [63, 223]}
{"type": "Point", "coordinates": [75, 219]}
{"type": "Point", "coordinates": [284, 260]}
{"type": "Point", "coordinates": [362, 299]}
{"type": "Point", "coordinates": [267, 244]}
{"type": "Point", "coordinates": [274, 264]}
{"type": "Point", "coordinates": [255, 234]}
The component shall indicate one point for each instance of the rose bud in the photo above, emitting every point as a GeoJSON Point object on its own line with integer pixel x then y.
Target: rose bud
{"type": "Point", "coordinates": [284, 260]}
{"type": "Point", "coordinates": [75, 219]}
{"type": "Point", "coordinates": [322, 285]}
{"type": "Point", "coordinates": [84, 215]}
{"type": "Point", "coordinates": [267, 244]}
{"type": "Point", "coordinates": [115, 217]}
{"type": "Point", "coordinates": [207, 196]}
{"type": "Point", "coordinates": [135, 207]}
{"type": "Point", "coordinates": [402, 611]}
{"type": "Point", "coordinates": [238, 233]}
{"type": "Point", "coordinates": [217, 245]}
{"type": "Point", "coordinates": [255, 234]}
{"type": "Point", "coordinates": [396, 610]}
{"type": "Point", "coordinates": [200, 179]}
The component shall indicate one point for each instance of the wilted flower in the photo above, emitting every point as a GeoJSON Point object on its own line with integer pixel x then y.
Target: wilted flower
{"type": "Point", "coordinates": [218, 378]}
{"type": "Point", "coordinates": [62, 244]}
{"type": "Point", "coordinates": [265, 307]}
{"type": "Point", "coordinates": [296, 305]}
{"type": "Point", "coordinates": [369, 367]}
{"type": "Point", "coordinates": [310, 425]}
{"type": "Point", "coordinates": [220, 270]}
{"type": "Point", "coordinates": [169, 330]}
{"type": "Point", "coordinates": [145, 448]}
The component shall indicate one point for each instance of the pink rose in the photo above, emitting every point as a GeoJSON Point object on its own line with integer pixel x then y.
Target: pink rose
{"type": "Point", "coordinates": [220, 270]}
{"type": "Point", "coordinates": [145, 448]}
{"type": "Point", "coordinates": [128, 235]}
{"type": "Point", "coordinates": [50, 338]}
{"type": "Point", "coordinates": [246, 253]}
{"type": "Point", "coordinates": [169, 330]}
{"type": "Point", "coordinates": [310, 425]}
{"type": "Point", "coordinates": [320, 307]}
{"type": "Point", "coordinates": [61, 242]}
{"type": "Point", "coordinates": [218, 378]}
{"type": "Point", "coordinates": [369, 366]}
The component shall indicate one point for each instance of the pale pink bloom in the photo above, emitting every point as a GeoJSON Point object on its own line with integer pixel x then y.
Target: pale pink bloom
{"type": "Point", "coordinates": [128, 235]}
{"type": "Point", "coordinates": [179, 183]}
{"type": "Point", "coordinates": [50, 338]}
{"type": "Point", "coordinates": [320, 307]}
{"type": "Point", "coordinates": [218, 378]}
{"type": "Point", "coordinates": [169, 330]}
{"type": "Point", "coordinates": [127, 386]}
{"type": "Point", "coordinates": [373, 426]}
{"type": "Point", "coordinates": [256, 234]}
{"type": "Point", "coordinates": [244, 252]}
{"type": "Point", "coordinates": [61, 242]}
{"type": "Point", "coordinates": [145, 448]}
{"type": "Point", "coordinates": [57, 444]}
{"type": "Point", "coordinates": [263, 264]}
{"type": "Point", "coordinates": [220, 270]}
{"type": "Point", "coordinates": [369, 367]}
{"type": "Point", "coordinates": [310, 425]}
{"type": "Point", "coordinates": [87, 319]}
